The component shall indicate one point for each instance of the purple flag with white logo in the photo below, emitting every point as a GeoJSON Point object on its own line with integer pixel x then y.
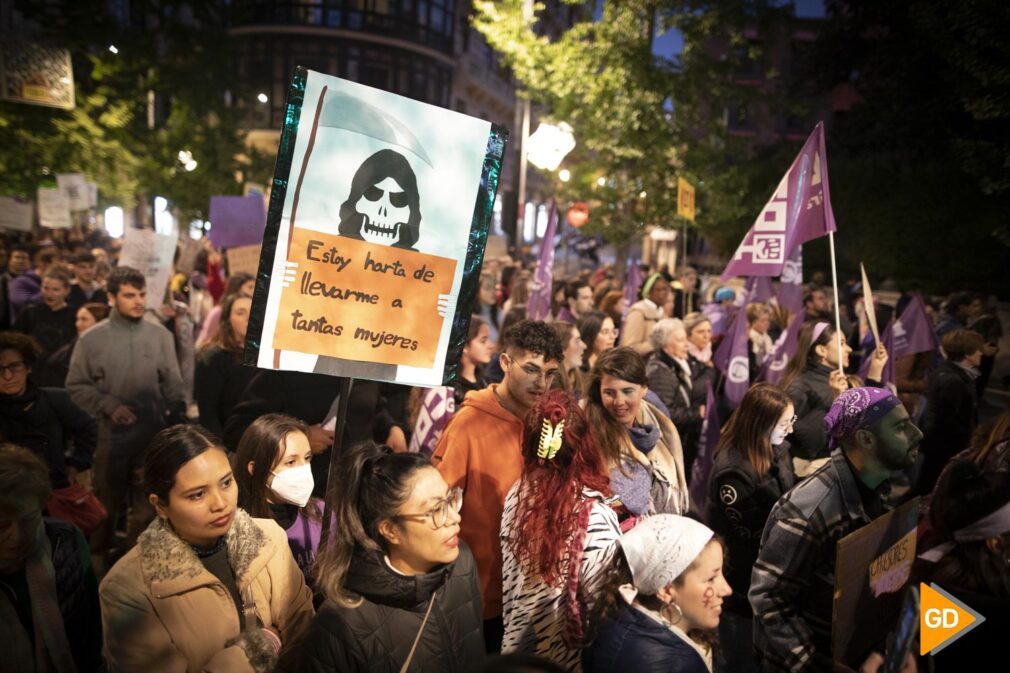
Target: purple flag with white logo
{"type": "Point", "coordinates": [911, 333]}
{"type": "Point", "coordinates": [702, 467]}
{"type": "Point", "coordinates": [790, 293]}
{"type": "Point", "coordinates": [731, 358]}
{"type": "Point", "coordinates": [633, 284]}
{"type": "Point", "coordinates": [539, 305]}
{"type": "Point", "coordinates": [437, 408]}
{"type": "Point", "coordinates": [784, 350]}
{"type": "Point", "coordinates": [798, 211]}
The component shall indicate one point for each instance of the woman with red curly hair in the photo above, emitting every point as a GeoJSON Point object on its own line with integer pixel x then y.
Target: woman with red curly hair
{"type": "Point", "coordinates": [559, 534]}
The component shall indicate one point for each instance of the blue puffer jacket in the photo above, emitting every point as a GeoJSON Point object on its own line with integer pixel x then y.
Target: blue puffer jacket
{"type": "Point", "coordinates": [634, 641]}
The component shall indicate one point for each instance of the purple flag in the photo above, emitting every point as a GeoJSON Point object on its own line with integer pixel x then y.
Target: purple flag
{"type": "Point", "coordinates": [784, 350]}
{"type": "Point", "coordinates": [791, 282]}
{"type": "Point", "coordinates": [437, 408]}
{"type": "Point", "coordinates": [911, 333]}
{"type": "Point", "coordinates": [798, 211]}
{"type": "Point", "coordinates": [539, 305]}
{"type": "Point", "coordinates": [702, 466]}
{"type": "Point", "coordinates": [632, 285]}
{"type": "Point", "coordinates": [731, 358]}
{"type": "Point", "coordinates": [758, 288]}
{"type": "Point", "coordinates": [236, 220]}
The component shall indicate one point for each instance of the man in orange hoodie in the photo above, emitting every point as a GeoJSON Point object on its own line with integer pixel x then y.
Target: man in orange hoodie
{"type": "Point", "coordinates": [480, 452]}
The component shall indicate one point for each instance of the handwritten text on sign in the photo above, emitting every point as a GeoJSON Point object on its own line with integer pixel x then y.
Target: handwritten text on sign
{"type": "Point", "coordinates": [360, 301]}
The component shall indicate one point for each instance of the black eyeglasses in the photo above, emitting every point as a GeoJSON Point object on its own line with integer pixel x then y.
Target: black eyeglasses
{"type": "Point", "coordinates": [439, 514]}
{"type": "Point", "coordinates": [13, 368]}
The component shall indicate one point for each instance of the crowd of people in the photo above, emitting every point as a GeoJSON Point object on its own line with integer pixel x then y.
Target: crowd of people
{"type": "Point", "coordinates": [582, 497]}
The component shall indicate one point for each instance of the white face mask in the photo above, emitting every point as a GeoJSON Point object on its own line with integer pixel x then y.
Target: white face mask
{"type": "Point", "coordinates": [778, 436]}
{"type": "Point", "coordinates": [294, 485]}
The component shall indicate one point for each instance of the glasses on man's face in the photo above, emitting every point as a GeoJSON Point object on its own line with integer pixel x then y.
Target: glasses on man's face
{"type": "Point", "coordinates": [439, 514]}
{"type": "Point", "coordinates": [13, 369]}
{"type": "Point", "coordinates": [532, 371]}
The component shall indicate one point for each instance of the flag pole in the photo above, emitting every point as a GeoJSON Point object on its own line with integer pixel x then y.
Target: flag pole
{"type": "Point", "coordinates": [838, 315]}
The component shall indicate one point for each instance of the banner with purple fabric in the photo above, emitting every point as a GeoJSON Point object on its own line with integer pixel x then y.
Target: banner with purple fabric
{"type": "Point", "coordinates": [911, 333]}
{"type": "Point", "coordinates": [632, 285]}
{"type": "Point", "coordinates": [758, 288]}
{"type": "Point", "coordinates": [539, 305]}
{"type": "Point", "coordinates": [438, 405]}
{"type": "Point", "coordinates": [790, 293]}
{"type": "Point", "coordinates": [236, 220]}
{"type": "Point", "coordinates": [798, 211]}
{"type": "Point", "coordinates": [784, 350]}
{"type": "Point", "coordinates": [731, 358]}
{"type": "Point", "coordinates": [698, 489]}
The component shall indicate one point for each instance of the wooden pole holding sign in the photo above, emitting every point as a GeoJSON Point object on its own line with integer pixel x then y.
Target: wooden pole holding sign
{"type": "Point", "coordinates": [838, 315]}
{"type": "Point", "coordinates": [343, 395]}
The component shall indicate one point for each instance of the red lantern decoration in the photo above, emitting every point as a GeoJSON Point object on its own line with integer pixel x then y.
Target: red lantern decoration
{"type": "Point", "coordinates": [578, 214]}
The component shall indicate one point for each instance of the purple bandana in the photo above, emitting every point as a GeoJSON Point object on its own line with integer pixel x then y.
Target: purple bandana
{"type": "Point", "coordinates": [857, 408]}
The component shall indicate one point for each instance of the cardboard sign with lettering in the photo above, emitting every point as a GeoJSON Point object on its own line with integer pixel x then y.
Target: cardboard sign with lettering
{"type": "Point", "coordinates": [54, 208]}
{"type": "Point", "coordinates": [872, 566]}
{"type": "Point", "coordinates": [244, 259]}
{"type": "Point", "coordinates": [15, 214]}
{"type": "Point", "coordinates": [376, 230]}
{"type": "Point", "coordinates": [151, 254]}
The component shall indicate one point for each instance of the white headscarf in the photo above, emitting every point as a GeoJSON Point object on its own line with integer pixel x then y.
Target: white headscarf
{"type": "Point", "coordinates": [660, 548]}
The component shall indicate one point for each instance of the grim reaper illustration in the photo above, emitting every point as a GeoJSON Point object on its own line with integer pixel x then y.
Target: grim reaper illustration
{"type": "Point", "coordinates": [383, 206]}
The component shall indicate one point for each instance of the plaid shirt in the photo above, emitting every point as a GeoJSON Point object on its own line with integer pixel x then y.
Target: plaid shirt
{"type": "Point", "coordinates": [793, 582]}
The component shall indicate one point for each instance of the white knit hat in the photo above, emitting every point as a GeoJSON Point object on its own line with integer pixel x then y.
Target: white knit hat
{"type": "Point", "coordinates": [661, 547]}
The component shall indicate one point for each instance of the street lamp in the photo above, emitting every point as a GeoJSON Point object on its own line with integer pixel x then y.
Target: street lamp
{"type": "Point", "coordinates": [113, 49]}
{"type": "Point", "coordinates": [601, 181]}
{"type": "Point", "coordinates": [564, 175]}
{"type": "Point", "coordinates": [262, 98]}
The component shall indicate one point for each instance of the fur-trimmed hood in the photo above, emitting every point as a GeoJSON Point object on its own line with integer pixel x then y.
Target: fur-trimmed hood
{"type": "Point", "coordinates": [169, 565]}
{"type": "Point", "coordinates": [163, 612]}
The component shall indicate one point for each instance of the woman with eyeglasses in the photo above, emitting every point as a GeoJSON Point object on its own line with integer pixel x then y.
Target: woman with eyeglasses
{"type": "Point", "coordinates": [751, 470]}
{"type": "Point", "coordinates": [43, 420]}
{"type": "Point", "coordinates": [558, 534]}
{"type": "Point", "coordinates": [401, 587]}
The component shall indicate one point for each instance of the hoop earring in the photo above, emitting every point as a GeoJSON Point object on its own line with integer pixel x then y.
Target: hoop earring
{"type": "Point", "coordinates": [680, 613]}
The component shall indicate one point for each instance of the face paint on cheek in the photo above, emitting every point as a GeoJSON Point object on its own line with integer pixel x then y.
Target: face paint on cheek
{"type": "Point", "coordinates": [708, 596]}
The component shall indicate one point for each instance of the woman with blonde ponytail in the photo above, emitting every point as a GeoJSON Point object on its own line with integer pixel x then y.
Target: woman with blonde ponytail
{"type": "Point", "coordinates": [401, 587]}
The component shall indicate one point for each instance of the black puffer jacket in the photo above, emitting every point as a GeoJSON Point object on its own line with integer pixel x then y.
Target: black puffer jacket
{"type": "Point", "coordinates": [377, 635]}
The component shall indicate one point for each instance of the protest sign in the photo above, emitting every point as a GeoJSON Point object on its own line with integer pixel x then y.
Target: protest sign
{"type": "Point", "coordinates": [189, 248]}
{"type": "Point", "coordinates": [54, 209]}
{"type": "Point", "coordinates": [244, 259]}
{"type": "Point", "coordinates": [75, 187]}
{"type": "Point", "coordinates": [236, 220]}
{"type": "Point", "coordinates": [375, 236]}
{"type": "Point", "coordinates": [151, 254]}
{"type": "Point", "coordinates": [15, 214]}
{"type": "Point", "coordinates": [872, 566]}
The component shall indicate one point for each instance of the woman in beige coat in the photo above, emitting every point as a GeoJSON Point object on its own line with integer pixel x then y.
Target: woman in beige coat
{"type": "Point", "coordinates": [207, 587]}
{"type": "Point", "coordinates": [641, 445]}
